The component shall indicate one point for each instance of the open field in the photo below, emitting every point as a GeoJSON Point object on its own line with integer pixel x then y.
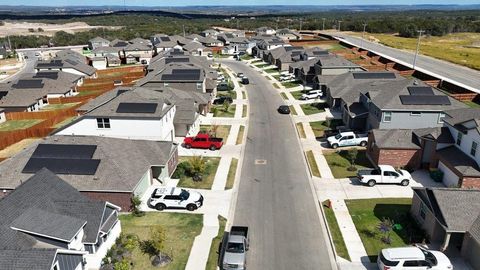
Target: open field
{"type": "Point", "coordinates": [19, 28]}
{"type": "Point", "coordinates": [458, 48]}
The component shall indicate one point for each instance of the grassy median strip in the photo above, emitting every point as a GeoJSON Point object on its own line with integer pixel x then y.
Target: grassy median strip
{"type": "Point", "coordinates": [244, 95]}
{"type": "Point", "coordinates": [301, 130]}
{"type": "Point", "coordinates": [180, 231]}
{"type": "Point", "coordinates": [335, 232]}
{"type": "Point", "coordinates": [213, 255]}
{"type": "Point", "coordinates": [240, 135]}
{"type": "Point", "coordinates": [244, 111]}
{"type": "Point", "coordinates": [268, 78]}
{"type": "Point", "coordinates": [292, 110]}
{"type": "Point", "coordinates": [313, 164]}
{"type": "Point", "coordinates": [284, 96]}
{"type": "Point", "coordinates": [276, 86]}
{"type": "Point", "coordinates": [231, 174]}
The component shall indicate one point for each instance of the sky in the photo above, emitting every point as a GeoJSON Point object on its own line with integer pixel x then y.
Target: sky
{"type": "Point", "coordinates": [228, 2]}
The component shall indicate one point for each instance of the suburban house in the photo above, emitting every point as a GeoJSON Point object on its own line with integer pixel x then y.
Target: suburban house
{"type": "Point", "coordinates": [163, 42]}
{"type": "Point", "coordinates": [210, 41]}
{"type": "Point", "coordinates": [69, 65]}
{"type": "Point", "coordinates": [140, 114]}
{"type": "Point", "coordinates": [287, 34]}
{"type": "Point", "coordinates": [31, 92]}
{"type": "Point", "coordinates": [101, 168]}
{"type": "Point", "coordinates": [98, 42]}
{"type": "Point", "coordinates": [138, 52]}
{"type": "Point", "coordinates": [99, 62]}
{"type": "Point", "coordinates": [210, 33]}
{"type": "Point", "coordinates": [451, 218]}
{"type": "Point", "coordinates": [71, 54]}
{"type": "Point", "coordinates": [329, 64]}
{"type": "Point", "coordinates": [47, 224]}
{"type": "Point", "coordinates": [283, 56]}
{"type": "Point", "coordinates": [265, 31]}
{"type": "Point", "coordinates": [195, 48]}
{"type": "Point", "coordinates": [265, 43]}
{"type": "Point", "coordinates": [118, 43]}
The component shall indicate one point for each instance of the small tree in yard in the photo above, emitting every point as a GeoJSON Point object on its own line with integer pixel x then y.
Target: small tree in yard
{"type": "Point", "coordinates": [226, 106]}
{"type": "Point", "coordinates": [155, 245]}
{"type": "Point", "coordinates": [198, 167]}
{"type": "Point", "coordinates": [122, 265]}
{"type": "Point", "coordinates": [386, 226]}
{"type": "Point", "coordinates": [136, 201]}
{"type": "Point", "coordinates": [352, 156]}
{"type": "Point", "coordinates": [213, 130]}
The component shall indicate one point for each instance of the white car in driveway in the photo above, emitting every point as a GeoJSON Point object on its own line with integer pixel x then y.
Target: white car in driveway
{"type": "Point", "coordinates": [312, 94]}
{"type": "Point", "coordinates": [172, 197]}
{"type": "Point", "coordinates": [412, 258]}
{"type": "Point", "coordinates": [384, 174]}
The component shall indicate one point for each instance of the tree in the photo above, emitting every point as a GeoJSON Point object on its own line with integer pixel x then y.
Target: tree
{"type": "Point", "coordinates": [226, 106]}
{"type": "Point", "coordinates": [198, 167]}
{"type": "Point", "coordinates": [136, 202]}
{"type": "Point", "coordinates": [122, 265]}
{"type": "Point", "coordinates": [155, 245]}
{"type": "Point", "coordinates": [386, 226]}
{"type": "Point", "coordinates": [352, 156]}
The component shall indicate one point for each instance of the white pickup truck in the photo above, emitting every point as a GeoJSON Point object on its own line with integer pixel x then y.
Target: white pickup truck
{"type": "Point", "coordinates": [384, 174]}
{"type": "Point", "coordinates": [348, 139]}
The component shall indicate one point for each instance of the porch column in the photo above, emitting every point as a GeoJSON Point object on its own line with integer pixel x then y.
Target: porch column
{"type": "Point", "coordinates": [446, 241]}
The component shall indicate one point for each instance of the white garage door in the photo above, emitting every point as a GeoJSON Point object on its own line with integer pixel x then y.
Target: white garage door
{"type": "Point", "coordinates": [449, 178]}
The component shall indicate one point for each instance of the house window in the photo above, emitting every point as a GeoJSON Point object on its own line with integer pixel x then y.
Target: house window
{"type": "Point", "coordinates": [440, 117]}
{"type": "Point", "coordinates": [473, 150]}
{"type": "Point", "coordinates": [416, 114]}
{"type": "Point", "coordinates": [103, 123]}
{"type": "Point", "coordinates": [387, 116]}
{"type": "Point", "coordinates": [422, 211]}
{"type": "Point", "coordinates": [199, 86]}
{"type": "Point", "coordinates": [459, 138]}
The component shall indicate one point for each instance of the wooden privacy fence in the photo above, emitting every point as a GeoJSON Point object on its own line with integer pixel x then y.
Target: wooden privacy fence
{"type": "Point", "coordinates": [106, 72]}
{"type": "Point", "coordinates": [74, 99]}
{"type": "Point", "coordinates": [63, 113]}
{"type": "Point", "coordinates": [41, 129]}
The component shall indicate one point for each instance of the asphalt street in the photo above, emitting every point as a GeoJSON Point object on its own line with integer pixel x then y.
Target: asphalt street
{"type": "Point", "coordinates": [275, 198]}
{"type": "Point", "coordinates": [452, 72]}
{"type": "Point", "coordinates": [29, 67]}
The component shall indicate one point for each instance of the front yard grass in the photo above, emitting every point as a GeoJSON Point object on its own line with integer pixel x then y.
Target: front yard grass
{"type": "Point", "coordinates": [231, 174]}
{"type": "Point", "coordinates": [180, 231]}
{"type": "Point", "coordinates": [297, 94]}
{"type": "Point", "coordinates": [339, 163]}
{"type": "Point", "coordinates": [256, 61]}
{"type": "Point", "coordinates": [186, 181]}
{"type": "Point", "coordinates": [221, 131]}
{"type": "Point", "coordinates": [240, 135]}
{"type": "Point", "coordinates": [320, 126]}
{"type": "Point", "coordinates": [213, 255]}
{"type": "Point", "coordinates": [232, 94]}
{"type": "Point", "coordinates": [246, 57]}
{"type": "Point", "coordinates": [262, 65]}
{"type": "Point", "coordinates": [219, 111]}
{"type": "Point", "coordinates": [271, 70]}
{"type": "Point", "coordinates": [367, 215]}
{"type": "Point", "coordinates": [10, 125]}
{"type": "Point", "coordinates": [337, 236]}
{"type": "Point", "coordinates": [313, 164]}
{"type": "Point", "coordinates": [291, 84]}
{"type": "Point", "coordinates": [52, 107]}
{"type": "Point", "coordinates": [301, 130]}
{"type": "Point", "coordinates": [472, 104]}
{"type": "Point", "coordinates": [313, 108]}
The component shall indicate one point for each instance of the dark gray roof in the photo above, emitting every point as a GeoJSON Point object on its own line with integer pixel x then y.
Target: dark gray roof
{"type": "Point", "coordinates": [66, 63]}
{"type": "Point", "coordinates": [475, 229]}
{"type": "Point", "coordinates": [457, 117]}
{"type": "Point", "coordinates": [27, 259]}
{"type": "Point", "coordinates": [99, 39]}
{"type": "Point", "coordinates": [122, 162]}
{"type": "Point", "coordinates": [463, 163]}
{"type": "Point", "coordinates": [395, 139]}
{"type": "Point", "coordinates": [457, 209]}
{"type": "Point", "coordinates": [439, 134]}
{"type": "Point", "coordinates": [334, 61]}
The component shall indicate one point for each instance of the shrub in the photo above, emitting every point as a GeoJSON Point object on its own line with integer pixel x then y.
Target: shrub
{"type": "Point", "coordinates": [136, 201]}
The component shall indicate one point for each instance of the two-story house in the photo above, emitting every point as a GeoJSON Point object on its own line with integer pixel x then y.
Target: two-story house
{"type": "Point", "coordinates": [287, 34]}
{"type": "Point", "coordinates": [47, 224]}
{"type": "Point", "coordinates": [98, 42]}
{"type": "Point", "coordinates": [265, 31]}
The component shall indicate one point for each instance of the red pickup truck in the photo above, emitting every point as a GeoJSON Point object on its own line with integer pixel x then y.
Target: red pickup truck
{"type": "Point", "coordinates": [203, 140]}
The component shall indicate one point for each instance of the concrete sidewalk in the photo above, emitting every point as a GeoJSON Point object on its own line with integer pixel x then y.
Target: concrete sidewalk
{"type": "Point", "coordinates": [201, 245]}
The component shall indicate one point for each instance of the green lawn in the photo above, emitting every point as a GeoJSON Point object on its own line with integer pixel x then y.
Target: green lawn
{"type": "Point", "coordinates": [367, 214]}
{"type": "Point", "coordinates": [52, 107]}
{"type": "Point", "coordinates": [320, 126]}
{"type": "Point", "coordinates": [213, 255]}
{"type": "Point", "coordinates": [240, 135]}
{"type": "Point", "coordinates": [219, 111]}
{"type": "Point", "coordinates": [262, 65]}
{"type": "Point", "coordinates": [256, 61]}
{"type": "Point", "coordinates": [313, 108]}
{"type": "Point", "coordinates": [284, 96]}
{"type": "Point", "coordinates": [65, 122]}
{"type": "Point", "coordinates": [338, 162]}
{"type": "Point", "coordinates": [10, 125]}
{"type": "Point", "coordinates": [244, 95]}
{"type": "Point", "coordinates": [335, 232]}
{"type": "Point", "coordinates": [271, 70]}
{"type": "Point", "coordinates": [232, 94]}
{"type": "Point", "coordinates": [244, 110]}
{"type": "Point", "coordinates": [301, 130]}
{"type": "Point", "coordinates": [231, 174]}
{"type": "Point", "coordinates": [187, 182]}
{"type": "Point", "coordinates": [246, 57]}
{"type": "Point", "coordinates": [297, 94]}
{"type": "Point", "coordinates": [336, 47]}
{"type": "Point", "coordinates": [291, 84]}
{"type": "Point", "coordinates": [180, 231]}
{"type": "Point", "coordinates": [292, 110]}
{"type": "Point", "coordinates": [276, 76]}
{"type": "Point", "coordinates": [221, 132]}
{"type": "Point", "coordinates": [87, 93]}
{"type": "Point", "coordinates": [313, 164]}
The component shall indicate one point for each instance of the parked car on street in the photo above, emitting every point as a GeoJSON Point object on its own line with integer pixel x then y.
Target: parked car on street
{"type": "Point", "coordinates": [312, 94]}
{"type": "Point", "coordinates": [348, 139]}
{"type": "Point", "coordinates": [204, 141]}
{"type": "Point", "coordinates": [384, 174]}
{"type": "Point", "coordinates": [172, 197]}
{"type": "Point", "coordinates": [222, 99]}
{"type": "Point", "coordinates": [245, 80]}
{"type": "Point", "coordinates": [415, 258]}
{"type": "Point", "coordinates": [233, 250]}
{"type": "Point", "coordinates": [284, 109]}
{"type": "Point", "coordinates": [240, 75]}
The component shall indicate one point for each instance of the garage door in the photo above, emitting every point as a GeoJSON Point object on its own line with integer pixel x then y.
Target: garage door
{"type": "Point", "coordinates": [449, 178]}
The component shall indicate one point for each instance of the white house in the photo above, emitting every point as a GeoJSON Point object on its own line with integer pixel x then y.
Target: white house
{"type": "Point", "coordinates": [265, 31]}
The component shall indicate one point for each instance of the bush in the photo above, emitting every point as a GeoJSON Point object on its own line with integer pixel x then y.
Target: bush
{"type": "Point", "coordinates": [136, 201]}
{"type": "Point", "coordinates": [183, 168]}
{"type": "Point", "coordinates": [436, 175]}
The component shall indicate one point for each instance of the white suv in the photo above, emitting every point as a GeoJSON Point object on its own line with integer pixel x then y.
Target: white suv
{"type": "Point", "coordinates": [171, 197]}
{"type": "Point", "coordinates": [312, 94]}
{"type": "Point", "coordinates": [414, 258]}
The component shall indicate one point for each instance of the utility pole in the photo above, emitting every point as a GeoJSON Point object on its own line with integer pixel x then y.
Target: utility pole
{"type": "Point", "coordinates": [420, 32]}
{"type": "Point", "coordinates": [363, 33]}
{"type": "Point", "coordinates": [339, 24]}
{"type": "Point", "coordinates": [323, 24]}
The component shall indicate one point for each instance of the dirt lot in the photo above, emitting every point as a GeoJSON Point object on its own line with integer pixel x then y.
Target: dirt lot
{"type": "Point", "coordinates": [22, 28]}
{"type": "Point", "coordinates": [15, 148]}
{"type": "Point", "coordinates": [8, 67]}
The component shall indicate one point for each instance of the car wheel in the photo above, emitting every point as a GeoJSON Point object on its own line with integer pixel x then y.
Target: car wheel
{"type": "Point", "coordinates": [371, 183]}
{"type": "Point", "coordinates": [188, 146]}
{"type": "Point", "coordinates": [160, 206]}
{"type": "Point", "coordinates": [191, 207]}
{"type": "Point", "coordinates": [363, 144]}
{"type": "Point", "coordinates": [213, 148]}
{"type": "Point", "coordinates": [404, 182]}
{"type": "Point", "coordinates": [334, 146]}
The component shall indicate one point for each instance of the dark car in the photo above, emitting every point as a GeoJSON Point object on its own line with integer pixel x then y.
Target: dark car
{"type": "Point", "coordinates": [221, 100]}
{"type": "Point", "coordinates": [284, 109]}
{"type": "Point", "coordinates": [245, 80]}
{"type": "Point", "coordinates": [223, 86]}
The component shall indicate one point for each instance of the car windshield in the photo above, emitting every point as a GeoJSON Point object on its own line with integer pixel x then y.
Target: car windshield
{"type": "Point", "coordinates": [338, 136]}
{"type": "Point", "coordinates": [184, 195]}
{"type": "Point", "coordinates": [235, 248]}
{"type": "Point", "coordinates": [430, 258]}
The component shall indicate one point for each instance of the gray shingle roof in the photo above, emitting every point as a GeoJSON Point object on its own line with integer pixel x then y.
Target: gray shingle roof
{"type": "Point", "coordinates": [395, 139]}
{"type": "Point", "coordinates": [440, 134]}
{"type": "Point", "coordinates": [122, 163]}
{"type": "Point", "coordinates": [458, 116]}
{"type": "Point", "coordinates": [335, 61]}
{"type": "Point", "coordinates": [459, 160]}
{"type": "Point", "coordinates": [66, 63]}
{"type": "Point", "coordinates": [27, 259]}
{"type": "Point", "coordinates": [475, 229]}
